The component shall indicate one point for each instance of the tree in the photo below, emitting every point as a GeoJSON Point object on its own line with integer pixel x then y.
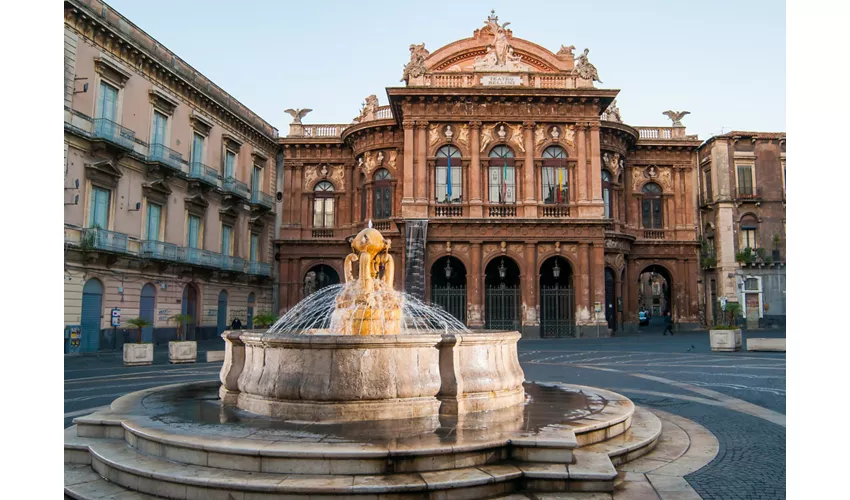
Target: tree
{"type": "Point", "coordinates": [139, 323]}
{"type": "Point", "coordinates": [264, 320]}
{"type": "Point", "coordinates": [733, 311]}
{"type": "Point", "coordinates": [181, 320]}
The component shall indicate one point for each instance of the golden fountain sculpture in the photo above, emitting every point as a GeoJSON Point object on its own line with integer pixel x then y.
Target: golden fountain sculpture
{"type": "Point", "coordinates": [368, 305]}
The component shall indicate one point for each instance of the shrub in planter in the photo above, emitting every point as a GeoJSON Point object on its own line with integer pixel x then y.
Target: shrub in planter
{"type": "Point", "coordinates": [138, 353]}
{"type": "Point", "coordinates": [726, 336]}
{"type": "Point", "coordinates": [264, 320]}
{"type": "Point", "coordinates": [182, 350]}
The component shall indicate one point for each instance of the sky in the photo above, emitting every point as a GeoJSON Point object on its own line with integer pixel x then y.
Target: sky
{"type": "Point", "coordinates": [724, 61]}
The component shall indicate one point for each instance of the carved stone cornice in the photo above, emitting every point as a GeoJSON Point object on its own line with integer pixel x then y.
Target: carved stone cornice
{"type": "Point", "coordinates": [527, 125]}
{"type": "Point", "coordinates": [259, 157]}
{"type": "Point", "coordinates": [200, 123]}
{"type": "Point", "coordinates": [162, 101]}
{"type": "Point", "coordinates": [231, 141]}
{"type": "Point", "coordinates": [157, 190]}
{"type": "Point", "coordinates": [421, 124]}
{"type": "Point", "coordinates": [111, 70]}
{"type": "Point", "coordinates": [475, 124]}
{"type": "Point", "coordinates": [196, 205]}
{"type": "Point", "coordinates": [103, 172]}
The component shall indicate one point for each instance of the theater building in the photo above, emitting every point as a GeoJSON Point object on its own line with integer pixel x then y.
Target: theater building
{"type": "Point", "coordinates": [514, 194]}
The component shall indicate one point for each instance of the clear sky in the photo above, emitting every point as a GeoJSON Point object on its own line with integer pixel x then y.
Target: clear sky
{"type": "Point", "coordinates": [724, 61]}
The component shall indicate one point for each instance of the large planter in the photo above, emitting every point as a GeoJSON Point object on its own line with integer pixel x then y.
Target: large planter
{"type": "Point", "coordinates": [138, 354]}
{"type": "Point", "coordinates": [185, 351]}
{"type": "Point", "coordinates": [725, 340]}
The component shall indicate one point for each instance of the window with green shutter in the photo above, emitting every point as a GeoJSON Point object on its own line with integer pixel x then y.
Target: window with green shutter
{"type": "Point", "coordinates": [226, 231]}
{"type": "Point", "coordinates": [99, 209]}
{"type": "Point", "coordinates": [154, 215]}
{"type": "Point", "coordinates": [194, 231]}
{"type": "Point", "coordinates": [229, 164]}
{"type": "Point", "coordinates": [108, 102]}
{"type": "Point", "coordinates": [255, 245]}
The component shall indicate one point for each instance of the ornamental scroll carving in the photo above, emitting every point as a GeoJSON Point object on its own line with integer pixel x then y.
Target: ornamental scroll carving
{"type": "Point", "coordinates": [433, 134]}
{"type": "Point", "coordinates": [313, 173]}
{"type": "Point", "coordinates": [486, 138]}
{"type": "Point", "coordinates": [515, 248]}
{"type": "Point", "coordinates": [615, 261]}
{"type": "Point", "coordinates": [516, 137]}
{"type": "Point", "coordinates": [539, 135]}
{"type": "Point", "coordinates": [659, 175]}
{"type": "Point", "coordinates": [393, 155]}
{"type": "Point", "coordinates": [489, 248]}
{"type": "Point", "coordinates": [463, 135]}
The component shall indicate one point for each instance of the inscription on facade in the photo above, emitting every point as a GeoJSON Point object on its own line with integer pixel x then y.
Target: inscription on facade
{"type": "Point", "coordinates": [501, 81]}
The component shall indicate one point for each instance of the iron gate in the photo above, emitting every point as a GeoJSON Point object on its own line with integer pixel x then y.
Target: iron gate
{"type": "Point", "coordinates": [502, 308]}
{"type": "Point", "coordinates": [556, 312]}
{"type": "Point", "coordinates": [452, 299]}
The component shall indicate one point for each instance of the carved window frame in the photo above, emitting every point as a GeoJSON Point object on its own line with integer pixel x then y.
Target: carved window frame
{"type": "Point", "coordinates": [113, 74]}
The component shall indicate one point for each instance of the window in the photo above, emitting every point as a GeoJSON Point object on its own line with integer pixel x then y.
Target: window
{"type": "Point", "coordinates": [226, 240]}
{"type": "Point", "coordinates": [383, 208]}
{"type": "Point", "coordinates": [256, 182]}
{"type": "Point", "coordinates": [197, 149]}
{"type": "Point", "coordinates": [745, 180]}
{"type": "Point", "coordinates": [193, 235]}
{"type": "Point", "coordinates": [158, 130]}
{"type": "Point", "coordinates": [255, 246]}
{"type": "Point", "coordinates": [107, 103]}
{"type": "Point", "coordinates": [555, 176]}
{"type": "Point", "coordinates": [153, 217]}
{"type": "Point", "coordinates": [323, 205]}
{"type": "Point", "coordinates": [651, 207]}
{"type": "Point", "coordinates": [606, 193]}
{"type": "Point", "coordinates": [502, 175]}
{"type": "Point", "coordinates": [448, 178]}
{"type": "Point", "coordinates": [99, 209]}
{"type": "Point", "coordinates": [709, 196]}
{"type": "Point", "coordinates": [229, 164]}
{"type": "Point", "coordinates": [749, 228]}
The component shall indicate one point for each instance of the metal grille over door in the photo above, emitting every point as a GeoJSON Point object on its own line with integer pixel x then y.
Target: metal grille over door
{"type": "Point", "coordinates": [146, 308]}
{"type": "Point", "coordinates": [501, 311]}
{"type": "Point", "coordinates": [557, 304]}
{"type": "Point", "coordinates": [90, 317]}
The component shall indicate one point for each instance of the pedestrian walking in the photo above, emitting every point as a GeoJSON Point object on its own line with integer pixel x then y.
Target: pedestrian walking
{"type": "Point", "coordinates": [668, 323]}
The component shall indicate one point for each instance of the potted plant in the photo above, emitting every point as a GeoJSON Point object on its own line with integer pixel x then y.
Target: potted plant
{"type": "Point", "coordinates": [138, 353]}
{"type": "Point", "coordinates": [182, 350]}
{"type": "Point", "coordinates": [264, 320]}
{"type": "Point", "coordinates": [725, 336]}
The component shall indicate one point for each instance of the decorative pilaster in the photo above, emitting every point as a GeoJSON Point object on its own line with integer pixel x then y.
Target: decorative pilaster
{"type": "Point", "coordinates": [475, 177]}
{"type": "Point", "coordinates": [581, 166]}
{"type": "Point", "coordinates": [595, 184]}
{"type": "Point", "coordinates": [530, 309]}
{"type": "Point", "coordinates": [420, 165]}
{"type": "Point", "coordinates": [529, 190]}
{"type": "Point", "coordinates": [349, 192]}
{"type": "Point", "coordinates": [475, 312]}
{"type": "Point", "coordinates": [408, 164]}
{"type": "Point", "coordinates": [299, 206]}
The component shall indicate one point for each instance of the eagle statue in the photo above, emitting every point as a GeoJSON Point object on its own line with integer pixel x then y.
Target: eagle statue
{"type": "Point", "coordinates": [297, 114]}
{"type": "Point", "coordinates": [676, 117]}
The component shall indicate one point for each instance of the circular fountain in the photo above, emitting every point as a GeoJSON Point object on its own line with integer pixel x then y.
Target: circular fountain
{"type": "Point", "coordinates": [359, 390]}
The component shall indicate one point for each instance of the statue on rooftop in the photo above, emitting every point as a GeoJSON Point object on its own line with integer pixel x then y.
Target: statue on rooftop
{"type": "Point", "coordinates": [585, 69]}
{"type": "Point", "coordinates": [613, 112]}
{"type": "Point", "coordinates": [416, 66]}
{"type": "Point", "coordinates": [500, 55]}
{"type": "Point", "coordinates": [676, 117]}
{"type": "Point", "coordinates": [297, 114]}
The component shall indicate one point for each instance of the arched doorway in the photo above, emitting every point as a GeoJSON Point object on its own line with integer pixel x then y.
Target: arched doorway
{"type": "Point", "coordinates": [90, 316]}
{"type": "Point", "coordinates": [448, 286]}
{"type": "Point", "coordinates": [557, 298]}
{"type": "Point", "coordinates": [221, 320]}
{"type": "Point", "coordinates": [655, 285]}
{"type": "Point", "coordinates": [251, 300]}
{"type": "Point", "coordinates": [190, 307]}
{"type": "Point", "coordinates": [502, 297]}
{"type": "Point", "coordinates": [610, 299]}
{"type": "Point", "coordinates": [147, 304]}
{"type": "Point", "coordinates": [318, 277]}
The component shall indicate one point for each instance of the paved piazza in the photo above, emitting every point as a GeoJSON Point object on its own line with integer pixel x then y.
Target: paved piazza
{"type": "Point", "coordinates": [739, 397]}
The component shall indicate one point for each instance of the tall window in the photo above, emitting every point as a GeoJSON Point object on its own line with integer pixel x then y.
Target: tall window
{"type": "Point", "coordinates": [383, 208]}
{"type": "Point", "coordinates": [749, 228]}
{"type": "Point", "coordinates": [158, 130]}
{"type": "Point", "coordinates": [502, 175]}
{"type": "Point", "coordinates": [256, 182]}
{"type": "Point", "coordinates": [745, 179]}
{"type": "Point", "coordinates": [153, 218]}
{"type": "Point", "coordinates": [197, 149]}
{"type": "Point", "coordinates": [107, 104]}
{"type": "Point", "coordinates": [555, 176]}
{"type": "Point", "coordinates": [709, 195]}
{"type": "Point", "coordinates": [606, 192]}
{"type": "Point", "coordinates": [99, 209]}
{"type": "Point", "coordinates": [194, 231]}
{"type": "Point", "coordinates": [323, 205]}
{"type": "Point", "coordinates": [226, 240]}
{"type": "Point", "coordinates": [229, 164]}
{"type": "Point", "coordinates": [651, 207]}
{"type": "Point", "coordinates": [448, 178]}
{"type": "Point", "coordinates": [255, 246]}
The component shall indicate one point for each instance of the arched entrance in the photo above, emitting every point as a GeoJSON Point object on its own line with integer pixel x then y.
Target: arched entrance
{"type": "Point", "coordinates": [557, 298]}
{"type": "Point", "coordinates": [655, 285]}
{"type": "Point", "coordinates": [221, 319]}
{"type": "Point", "coordinates": [91, 315]}
{"type": "Point", "coordinates": [610, 299]}
{"type": "Point", "coordinates": [448, 286]}
{"type": "Point", "coordinates": [318, 277]}
{"type": "Point", "coordinates": [147, 304]}
{"type": "Point", "coordinates": [502, 298]}
{"type": "Point", "coordinates": [251, 300]}
{"type": "Point", "coordinates": [190, 307]}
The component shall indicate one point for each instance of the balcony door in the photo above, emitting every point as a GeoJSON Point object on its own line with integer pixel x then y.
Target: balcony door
{"type": "Point", "coordinates": [256, 181]}
{"type": "Point", "coordinates": [255, 245]}
{"type": "Point", "coordinates": [99, 209]}
{"type": "Point", "coordinates": [194, 231]}
{"type": "Point", "coordinates": [225, 240]}
{"type": "Point", "coordinates": [158, 130]}
{"type": "Point", "coordinates": [153, 217]}
{"type": "Point", "coordinates": [108, 102]}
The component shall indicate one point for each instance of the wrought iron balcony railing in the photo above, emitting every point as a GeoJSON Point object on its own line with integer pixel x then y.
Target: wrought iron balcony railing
{"type": "Point", "coordinates": [203, 173]}
{"type": "Point", "coordinates": [234, 187]}
{"type": "Point", "coordinates": [262, 199]}
{"type": "Point", "coordinates": [747, 193]}
{"type": "Point", "coordinates": [202, 258]}
{"type": "Point", "coordinates": [323, 233]}
{"type": "Point", "coordinates": [231, 263]}
{"type": "Point", "coordinates": [259, 269]}
{"type": "Point", "coordinates": [101, 239]}
{"type": "Point", "coordinates": [166, 156]}
{"type": "Point", "coordinates": [114, 133]}
{"type": "Point", "coordinates": [159, 250]}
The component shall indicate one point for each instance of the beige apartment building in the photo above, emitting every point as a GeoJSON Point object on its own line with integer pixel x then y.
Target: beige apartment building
{"type": "Point", "coordinates": [169, 189]}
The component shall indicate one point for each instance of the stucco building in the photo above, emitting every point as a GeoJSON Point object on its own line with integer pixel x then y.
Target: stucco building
{"type": "Point", "coordinates": [742, 211]}
{"type": "Point", "coordinates": [169, 185]}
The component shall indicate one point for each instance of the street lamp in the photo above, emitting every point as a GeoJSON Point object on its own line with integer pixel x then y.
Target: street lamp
{"type": "Point", "coordinates": [448, 269]}
{"type": "Point", "coordinates": [556, 270]}
{"type": "Point", "coordinates": [502, 269]}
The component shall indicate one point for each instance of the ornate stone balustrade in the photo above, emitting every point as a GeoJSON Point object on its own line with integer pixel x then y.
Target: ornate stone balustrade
{"type": "Point", "coordinates": [663, 133]}
{"type": "Point", "coordinates": [476, 79]}
{"type": "Point", "coordinates": [323, 233]}
{"type": "Point", "coordinates": [448, 211]}
{"type": "Point", "coordinates": [555, 210]}
{"type": "Point", "coordinates": [501, 211]}
{"type": "Point", "coordinates": [321, 131]}
{"type": "Point", "coordinates": [653, 234]}
{"type": "Point", "coordinates": [383, 113]}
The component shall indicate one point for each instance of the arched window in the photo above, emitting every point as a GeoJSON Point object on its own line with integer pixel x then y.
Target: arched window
{"type": "Point", "coordinates": [323, 205]}
{"type": "Point", "coordinates": [555, 176]}
{"type": "Point", "coordinates": [502, 175]}
{"type": "Point", "coordinates": [606, 192]}
{"type": "Point", "coordinates": [749, 232]}
{"type": "Point", "coordinates": [651, 206]}
{"type": "Point", "coordinates": [383, 208]}
{"type": "Point", "coordinates": [448, 176]}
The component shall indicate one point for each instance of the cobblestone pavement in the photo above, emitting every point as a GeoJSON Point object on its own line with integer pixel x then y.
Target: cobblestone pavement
{"type": "Point", "coordinates": [740, 397]}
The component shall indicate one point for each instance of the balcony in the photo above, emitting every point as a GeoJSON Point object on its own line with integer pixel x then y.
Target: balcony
{"type": "Point", "coordinates": [159, 250]}
{"type": "Point", "coordinates": [201, 258]}
{"type": "Point", "coordinates": [752, 194]}
{"type": "Point", "coordinates": [114, 133]}
{"type": "Point", "coordinates": [203, 173]}
{"type": "Point", "coordinates": [501, 211]}
{"type": "Point", "coordinates": [166, 157]}
{"type": "Point", "coordinates": [101, 239]}
{"type": "Point", "coordinates": [448, 211]}
{"type": "Point", "coordinates": [236, 188]}
{"type": "Point", "coordinates": [259, 269]}
{"type": "Point", "coordinates": [556, 211]}
{"type": "Point", "coordinates": [233, 264]}
{"type": "Point", "coordinates": [653, 234]}
{"type": "Point", "coordinates": [261, 199]}
{"type": "Point", "coordinates": [323, 233]}
{"type": "Point", "coordinates": [704, 200]}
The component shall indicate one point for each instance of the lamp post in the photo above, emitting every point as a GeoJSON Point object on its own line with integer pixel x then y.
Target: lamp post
{"type": "Point", "coordinates": [502, 269]}
{"type": "Point", "coordinates": [448, 269]}
{"type": "Point", "coordinates": [556, 270]}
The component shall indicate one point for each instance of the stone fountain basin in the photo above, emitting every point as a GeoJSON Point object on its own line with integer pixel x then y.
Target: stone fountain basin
{"type": "Point", "coordinates": [327, 378]}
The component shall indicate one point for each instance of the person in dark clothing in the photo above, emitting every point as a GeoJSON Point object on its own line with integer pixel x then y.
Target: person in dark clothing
{"type": "Point", "coordinates": [236, 324]}
{"type": "Point", "coordinates": [668, 323]}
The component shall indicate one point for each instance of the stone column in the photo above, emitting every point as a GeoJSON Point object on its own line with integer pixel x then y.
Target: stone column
{"type": "Point", "coordinates": [475, 177]}
{"type": "Point", "coordinates": [349, 193]}
{"type": "Point", "coordinates": [287, 190]}
{"type": "Point", "coordinates": [676, 217]}
{"type": "Point", "coordinates": [297, 188]}
{"type": "Point", "coordinates": [531, 282]}
{"type": "Point", "coordinates": [581, 166]}
{"type": "Point", "coordinates": [630, 300]}
{"type": "Point", "coordinates": [595, 168]}
{"type": "Point", "coordinates": [408, 164]}
{"type": "Point", "coordinates": [420, 164]}
{"type": "Point", "coordinates": [295, 282]}
{"type": "Point", "coordinates": [475, 289]}
{"type": "Point", "coordinates": [619, 296]}
{"type": "Point", "coordinates": [596, 257]}
{"type": "Point", "coordinates": [530, 199]}
{"type": "Point", "coordinates": [582, 286]}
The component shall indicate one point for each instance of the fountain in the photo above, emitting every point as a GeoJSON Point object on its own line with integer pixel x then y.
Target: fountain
{"type": "Point", "coordinates": [359, 390]}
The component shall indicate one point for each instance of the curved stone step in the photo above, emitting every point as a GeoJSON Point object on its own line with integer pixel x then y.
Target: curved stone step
{"type": "Point", "coordinates": [641, 438]}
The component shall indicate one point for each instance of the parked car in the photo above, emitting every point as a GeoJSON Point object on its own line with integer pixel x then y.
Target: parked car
{"type": "Point", "coordinates": [643, 317]}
